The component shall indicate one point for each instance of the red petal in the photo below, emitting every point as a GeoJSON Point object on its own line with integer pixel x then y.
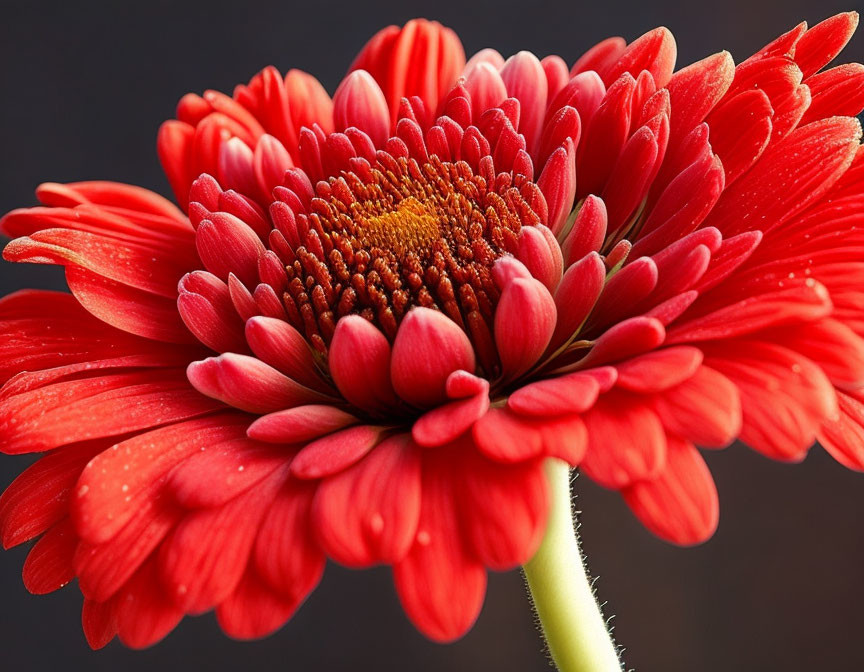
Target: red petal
{"type": "Point", "coordinates": [253, 610]}
{"type": "Point", "coordinates": [90, 408]}
{"type": "Point", "coordinates": [113, 485]}
{"type": "Point", "coordinates": [440, 583]}
{"type": "Point", "coordinates": [604, 138]}
{"type": "Point", "coordinates": [144, 613]}
{"type": "Point", "coordinates": [360, 103]}
{"type": "Point", "coordinates": [368, 514]}
{"type": "Point", "coordinates": [541, 254]}
{"type": "Point", "coordinates": [98, 622]}
{"type": "Point", "coordinates": [300, 424]}
{"type": "Point", "coordinates": [631, 176]}
{"type": "Point", "coordinates": [280, 345]}
{"type": "Point", "coordinates": [601, 56]}
{"type": "Point", "coordinates": [570, 393]}
{"type": "Point", "coordinates": [286, 554]}
{"type": "Point", "coordinates": [124, 261]}
{"type": "Point", "coordinates": [740, 131]}
{"type": "Point", "coordinates": [843, 438]}
{"type": "Point", "coordinates": [423, 58]}
{"type": "Point", "coordinates": [525, 80]}
{"type": "Point", "coordinates": [795, 173]}
{"type": "Point", "coordinates": [359, 361]}
{"type": "Point", "coordinates": [577, 293]}
{"type": "Point", "coordinates": [837, 349]}
{"type": "Point", "coordinates": [428, 348]}
{"type": "Point", "coordinates": [504, 436]}
{"type": "Point", "coordinates": [821, 44]}
{"type": "Point", "coordinates": [680, 505]}
{"type": "Point", "coordinates": [212, 477]}
{"type": "Point", "coordinates": [706, 409]}
{"type": "Point", "coordinates": [207, 310]}
{"type": "Point", "coordinates": [506, 507]}
{"type": "Point", "coordinates": [128, 309]}
{"type": "Point", "coordinates": [448, 422]}
{"type": "Point", "coordinates": [630, 337]}
{"type": "Point", "coordinates": [836, 92]}
{"type": "Point", "coordinates": [248, 384]}
{"type": "Point", "coordinates": [565, 124]}
{"type": "Point", "coordinates": [784, 396]}
{"type": "Point", "coordinates": [485, 88]}
{"type": "Point", "coordinates": [335, 452]}
{"type": "Point", "coordinates": [104, 569]}
{"type": "Point", "coordinates": [659, 370]}
{"type": "Point", "coordinates": [39, 497]}
{"type": "Point", "coordinates": [49, 564]}
{"type": "Point", "coordinates": [807, 301]}
{"type": "Point", "coordinates": [589, 230]}
{"type": "Point", "coordinates": [226, 245]}
{"type": "Point", "coordinates": [655, 51]}
{"type": "Point", "coordinates": [694, 90]}
{"type": "Point", "coordinates": [626, 442]}
{"type": "Point", "coordinates": [524, 321]}
{"type": "Point", "coordinates": [558, 184]}
{"type": "Point", "coordinates": [204, 558]}
{"type": "Point", "coordinates": [623, 292]}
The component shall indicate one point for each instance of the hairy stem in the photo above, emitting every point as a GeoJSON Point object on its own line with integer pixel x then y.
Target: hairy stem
{"type": "Point", "coordinates": [572, 623]}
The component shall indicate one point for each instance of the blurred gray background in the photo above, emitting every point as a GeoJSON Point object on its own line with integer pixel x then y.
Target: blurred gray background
{"type": "Point", "coordinates": [780, 586]}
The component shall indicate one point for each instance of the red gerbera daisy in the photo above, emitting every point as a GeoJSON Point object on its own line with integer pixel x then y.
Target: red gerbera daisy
{"type": "Point", "coordinates": [382, 326]}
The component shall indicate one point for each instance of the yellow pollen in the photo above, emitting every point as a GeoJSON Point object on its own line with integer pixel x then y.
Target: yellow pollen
{"type": "Point", "coordinates": [410, 227]}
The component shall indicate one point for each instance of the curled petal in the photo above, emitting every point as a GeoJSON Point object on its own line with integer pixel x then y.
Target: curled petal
{"type": "Point", "coordinates": [571, 393]}
{"type": "Point", "coordinates": [578, 292]}
{"type": "Point", "coordinates": [524, 322]}
{"type": "Point", "coordinates": [281, 346]}
{"type": "Point", "coordinates": [359, 361]}
{"type": "Point", "coordinates": [421, 59]}
{"type": "Point", "coordinates": [227, 245]}
{"type": "Point", "coordinates": [359, 102]}
{"type": "Point", "coordinates": [300, 424]}
{"type": "Point", "coordinates": [428, 348]}
{"type": "Point", "coordinates": [525, 80]}
{"type": "Point", "coordinates": [588, 232]}
{"type": "Point", "coordinates": [558, 184]}
{"type": "Point", "coordinates": [248, 384]}
{"type": "Point", "coordinates": [541, 254]}
{"type": "Point", "coordinates": [335, 452]}
{"type": "Point", "coordinates": [446, 423]}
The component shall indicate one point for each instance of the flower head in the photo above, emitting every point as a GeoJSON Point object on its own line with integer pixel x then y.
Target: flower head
{"type": "Point", "coordinates": [376, 316]}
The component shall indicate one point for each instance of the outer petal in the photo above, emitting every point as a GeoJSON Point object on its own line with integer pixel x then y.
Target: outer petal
{"type": "Point", "coordinates": [440, 583]}
{"type": "Point", "coordinates": [681, 504]}
{"type": "Point", "coordinates": [506, 507]}
{"type": "Point", "coordinates": [626, 442]}
{"type": "Point", "coordinates": [368, 514]}
{"type": "Point", "coordinates": [421, 59]}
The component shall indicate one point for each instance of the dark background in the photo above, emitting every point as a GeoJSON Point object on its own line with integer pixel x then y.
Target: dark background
{"type": "Point", "coordinates": [780, 587]}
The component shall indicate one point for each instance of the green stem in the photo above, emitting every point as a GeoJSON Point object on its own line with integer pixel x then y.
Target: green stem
{"type": "Point", "coordinates": [572, 622]}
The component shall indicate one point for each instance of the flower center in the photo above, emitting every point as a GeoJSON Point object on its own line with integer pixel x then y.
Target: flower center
{"type": "Point", "coordinates": [398, 234]}
{"type": "Point", "coordinates": [411, 227]}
